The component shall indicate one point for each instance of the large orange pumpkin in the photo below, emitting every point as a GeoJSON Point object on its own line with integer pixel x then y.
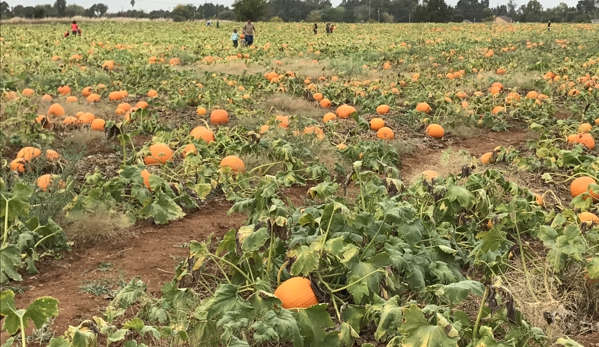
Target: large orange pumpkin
{"type": "Point", "coordinates": [585, 140]}
{"type": "Point", "coordinates": [588, 217]}
{"type": "Point", "coordinates": [344, 111]}
{"type": "Point", "coordinates": [581, 185]}
{"type": "Point", "coordinates": [203, 133]}
{"type": "Point", "coordinates": [430, 174]}
{"type": "Point", "coordinates": [234, 162]}
{"type": "Point", "coordinates": [296, 292]}
{"type": "Point", "coordinates": [382, 109]}
{"type": "Point", "coordinates": [218, 117]}
{"type": "Point", "coordinates": [56, 110]}
{"type": "Point", "coordinates": [435, 130]}
{"type": "Point", "coordinates": [28, 153]}
{"type": "Point", "coordinates": [161, 152]}
{"type": "Point", "coordinates": [98, 124]}
{"type": "Point", "coordinates": [385, 133]}
{"type": "Point", "coordinates": [423, 107]}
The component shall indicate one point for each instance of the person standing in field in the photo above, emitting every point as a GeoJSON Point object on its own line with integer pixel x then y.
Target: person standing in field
{"type": "Point", "coordinates": [549, 26]}
{"type": "Point", "coordinates": [74, 30]}
{"type": "Point", "coordinates": [235, 38]}
{"type": "Point", "coordinates": [315, 28]}
{"type": "Point", "coordinates": [328, 28]}
{"type": "Point", "coordinates": [248, 31]}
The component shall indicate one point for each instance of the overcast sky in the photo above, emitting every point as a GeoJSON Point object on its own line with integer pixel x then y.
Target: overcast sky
{"type": "Point", "coordinates": [149, 5]}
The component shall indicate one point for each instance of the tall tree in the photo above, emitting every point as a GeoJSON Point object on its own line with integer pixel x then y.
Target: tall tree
{"type": "Point", "coordinates": [249, 9]}
{"type": "Point", "coordinates": [433, 11]}
{"type": "Point", "coordinates": [5, 10]}
{"type": "Point", "coordinates": [61, 7]}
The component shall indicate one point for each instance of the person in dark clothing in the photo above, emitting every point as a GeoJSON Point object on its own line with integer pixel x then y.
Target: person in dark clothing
{"type": "Point", "coordinates": [315, 28]}
{"type": "Point", "coordinates": [328, 28]}
{"type": "Point", "coordinates": [549, 26]}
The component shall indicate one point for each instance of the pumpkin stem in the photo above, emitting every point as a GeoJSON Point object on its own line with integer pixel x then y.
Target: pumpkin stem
{"type": "Point", "coordinates": [355, 282]}
{"type": "Point", "coordinates": [280, 272]}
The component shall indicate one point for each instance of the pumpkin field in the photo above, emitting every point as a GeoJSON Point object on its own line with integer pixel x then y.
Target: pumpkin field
{"type": "Point", "coordinates": [399, 185]}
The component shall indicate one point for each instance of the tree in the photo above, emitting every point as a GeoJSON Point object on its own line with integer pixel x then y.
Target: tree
{"type": "Point", "coordinates": [457, 18]}
{"type": "Point", "coordinates": [512, 11]}
{"type": "Point", "coordinates": [5, 10]}
{"type": "Point", "coordinates": [97, 10]}
{"type": "Point", "coordinates": [39, 12]}
{"type": "Point", "coordinates": [61, 7]}
{"type": "Point", "coordinates": [75, 10]}
{"type": "Point", "coordinates": [181, 13]}
{"type": "Point", "coordinates": [435, 11]}
{"type": "Point", "coordinates": [249, 9]}
{"type": "Point", "coordinates": [532, 12]}
{"type": "Point", "coordinates": [23, 12]}
{"type": "Point", "coordinates": [314, 16]}
{"type": "Point", "coordinates": [386, 17]}
{"type": "Point", "coordinates": [132, 3]}
{"type": "Point", "coordinates": [226, 15]}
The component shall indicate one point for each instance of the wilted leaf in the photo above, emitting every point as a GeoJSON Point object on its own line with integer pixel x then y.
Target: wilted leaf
{"type": "Point", "coordinates": [419, 333]}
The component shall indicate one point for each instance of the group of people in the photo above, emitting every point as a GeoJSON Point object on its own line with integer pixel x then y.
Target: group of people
{"type": "Point", "coordinates": [329, 28]}
{"type": "Point", "coordinates": [74, 30]}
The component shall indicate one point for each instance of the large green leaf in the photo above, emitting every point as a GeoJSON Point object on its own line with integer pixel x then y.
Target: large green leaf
{"type": "Point", "coordinates": [130, 293]}
{"type": "Point", "coordinates": [17, 203]}
{"type": "Point", "coordinates": [419, 333]}
{"type": "Point", "coordinates": [225, 299]}
{"type": "Point", "coordinates": [10, 259]}
{"type": "Point", "coordinates": [461, 194]}
{"type": "Point", "coordinates": [391, 319]}
{"type": "Point", "coordinates": [278, 324]}
{"type": "Point", "coordinates": [40, 310]}
{"type": "Point", "coordinates": [306, 262]}
{"type": "Point", "coordinates": [163, 209]}
{"type": "Point", "coordinates": [366, 280]}
{"type": "Point", "coordinates": [459, 291]}
{"type": "Point", "coordinates": [312, 322]}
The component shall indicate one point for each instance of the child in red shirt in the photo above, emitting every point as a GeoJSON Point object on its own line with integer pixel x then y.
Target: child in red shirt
{"type": "Point", "coordinates": [74, 30]}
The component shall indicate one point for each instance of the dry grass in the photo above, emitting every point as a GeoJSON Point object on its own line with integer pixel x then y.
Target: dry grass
{"type": "Point", "coordinates": [231, 68]}
{"type": "Point", "coordinates": [83, 137]}
{"type": "Point", "coordinates": [98, 225]}
{"type": "Point", "coordinates": [304, 68]}
{"type": "Point", "coordinates": [79, 19]}
{"type": "Point", "coordinates": [281, 103]}
{"type": "Point", "coordinates": [570, 298]}
{"type": "Point", "coordinates": [445, 163]}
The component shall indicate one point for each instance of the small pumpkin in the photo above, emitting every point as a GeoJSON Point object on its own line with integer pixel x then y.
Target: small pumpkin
{"type": "Point", "coordinates": [585, 140]}
{"type": "Point", "coordinates": [98, 124]}
{"type": "Point", "coordinates": [486, 158]}
{"type": "Point", "coordinates": [584, 128]}
{"type": "Point", "coordinates": [316, 131]}
{"type": "Point", "coordinates": [18, 165]}
{"type": "Point", "coordinates": [345, 111]}
{"type": "Point", "coordinates": [93, 98]}
{"type": "Point", "coordinates": [325, 103]}
{"type": "Point", "coordinates": [233, 162]}
{"type": "Point", "coordinates": [145, 174]}
{"type": "Point", "coordinates": [28, 92]}
{"type": "Point", "coordinates": [282, 121]}
{"type": "Point", "coordinates": [218, 117]}
{"type": "Point", "coordinates": [72, 99]}
{"type": "Point", "coordinates": [430, 174]}
{"type": "Point", "coordinates": [203, 133]}
{"type": "Point", "coordinates": [190, 148]}
{"type": "Point", "coordinates": [47, 97]}
{"type": "Point", "coordinates": [318, 96]}
{"type": "Point", "coordinates": [296, 292]}
{"type": "Point", "coordinates": [152, 93]}
{"type": "Point", "coordinates": [115, 96]}
{"type": "Point", "coordinates": [588, 217]}
{"type": "Point", "coordinates": [423, 107]}
{"type": "Point", "coordinates": [200, 111]}
{"type": "Point", "coordinates": [125, 106]}
{"type": "Point", "coordinates": [435, 130]}
{"type": "Point", "coordinates": [56, 110]}
{"type": "Point", "coordinates": [52, 155]}
{"type": "Point", "coordinates": [142, 104]}
{"type": "Point", "coordinates": [329, 117]}
{"type": "Point", "coordinates": [86, 118]}
{"type": "Point", "coordinates": [64, 90]}
{"type": "Point", "coordinates": [161, 152]}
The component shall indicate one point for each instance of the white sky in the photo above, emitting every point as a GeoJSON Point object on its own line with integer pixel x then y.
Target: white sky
{"type": "Point", "coordinates": [149, 5]}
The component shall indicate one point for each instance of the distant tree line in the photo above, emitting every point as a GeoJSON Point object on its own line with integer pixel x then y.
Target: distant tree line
{"type": "Point", "coordinates": [349, 11]}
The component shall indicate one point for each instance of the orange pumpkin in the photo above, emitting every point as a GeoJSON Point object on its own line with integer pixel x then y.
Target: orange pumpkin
{"type": "Point", "coordinates": [486, 158]}
{"type": "Point", "coordinates": [345, 111]}
{"type": "Point", "coordinates": [585, 140]}
{"type": "Point", "coordinates": [98, 124]}
{"type": "Point", "coordinates": [145, 174]}
{"type": "Point", "coordinates": [325, 103]}
{"type": "Point", "coordinates": [588, 217]}
{"type": "Point", "coordinates": [141, 104]}
{"type": "Point", "coordinates": [584, 128]}
{"type": "Point", "coordinates": [430, 174]}
{"type": "Point", "coordinates": [385, 133]}
{"type": "Point", "coordinates": [28, 153]}
{"type": "Point", "coordinates": [423, 107]}
{"type": "Point", "coordinates": [64, 90]}
{"type": "Point", "coordinates": [86, 118]}
{"type": "Point", "coordinates": [318, 96]}
{"type": "Point", "coordinates": [161, 152]}
{"type": "Point", "coordinates": [218, 117]}
{"type": "Point", "coordinates": [329, 117]}
{"type": "Point", "coordinates": [69, 120]}
{"type": "Point", "coordinates": [152, 93]}
{"type": "Point", "coordinates": [87, 91]}
{"type": "Point", "coordinates": [233, 162]}
{"type": "Point", "coordinates": [581, 185]}
{"type": "Point", "coordinates": [115, 96]}
{"type": "Point", "coordinates": [435, 131]}
{"type": "Point", "coordinates": [376, 123]}
{"type": "Point", "coordinates": [201, 111]}
{"type": "Point", "coordinates": [125, 106]}
{"type": "Point", "coordinates": [190, 148]}
{"type": "Point", "coordinates": [28, 92]}
{"type": "Point", "coordinates": [18, 165]}
{"type": "Point", "coordinates": [383, 109]}
{"type": "Point", "coordinates": [46, 97]}
{"type": "Point", "coordinates": [296, 292]}
{"type": "Point", "coordinates": [52, 155]}
{"type": "Point", "coordinates": [93, 98]}
{"type": "Point", "coordinates": [316, 131]}
{"type": "Point", "coordinates": [56, 110]}
{"type": "Point", "coordinates": [72, 99]}
{"type": "Point", "coordinates": [203, 133]}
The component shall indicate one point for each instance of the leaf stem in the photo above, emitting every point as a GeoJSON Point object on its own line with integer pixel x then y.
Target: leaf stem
{"type": "Point", "coordinates": [280, 272]}
{"type": "Point", "coordinates": [5, 238]}
{"type": "Point", "coordinates": [523, 259]}
{"type": "Point", "coordinates": [355, 282]}
{"type": "Point", "coordinates": [231, 265]}
{"type": "Point", "coordinates": [373, 238]}
{"type": "Point", "coordinates": [480, 315]}
{"type": "Point", "coordinates": [326, 234]}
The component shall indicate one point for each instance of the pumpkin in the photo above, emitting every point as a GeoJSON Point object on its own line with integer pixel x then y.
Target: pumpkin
{"type": "Point", "coordinates": [52, 155]}
{"type": "Point", "coordinates": [584, 128]}
{"type": "Point", "coordinates": [423, 107]}
{"type": "Point", "coordinates": [69, 120]}
{"type": "Point", "coordinates": [486, 158]}
{"type": "Point", "coordinates": [233, 162]}
{"type": "Point", "coordinates": [385, 133]}
{"type": "Point", "coordinates": [93, 98]}
{"type": "Point", "coordinates": [430, 174]}
{"type": "Point", "coordinates": [581, 185]}
{"type": "Point", "coordinates": [190, 148]}
{"type": "Point", "coordinates": [44, 181]}
{"type": "Point", "coordinates": [588, 217]}
{"type": "Point", "coordinates": [264, 128]}
{"type": "Point", "coordinates": [219, 116]}
{"type": "Point", "coordinates": [382, 109]}
{"type": "Point", "coordinates": [318, 96]}
{"type": "Point", "coordinates": [341, 146]}
{"type": "Point", "coordinates": [145, 174]}
{"type": "Point", "coordinates": [539, 200]}
{"type": "Point", "coordinates": [142, 104]}
{"type": "Point", "coordinates": [203, 133]}
{"type": "Point", "coordinates": [46, 97]}
{"type": "Point", "coordinates": [329, 117]}
{"type": "Point", "coordinates": [55, 110]}
{"type": "Point", "coordinates": [325, 103]}
{"type": "Point", "coordinates": [532, 95]}
{"type": "Point", "coordinates": [161, 152]}
{"type": "Point", "coordinates": [376, 123]}
{"type": "Point", "coordinates": [316, 131]}
{"type": "Point", "coordinates": [125, 106]}
{"type": "Point", "coordinates": [87, 91]}
{"type": "Point", "coordinates": [497, 109]}
{"type": "Point", "coordinates": [115, 96]}
{"type": "Point", "coordinates": [72, 99]}
{"type": "Point", "coordinates": [152, 93]}
{"type": "Point", "coordinates": [282, 121]}
{"type": "Point", "coordinates": [149, 160]}
{"type": "Point", "coordinates": [86, 118]}
{"type": "Point", "coordinates": [497, 85]}
{"type": "Point", "coordinates": [64, 90]}
{"type": "Point", "coordinates": [201, 111]}
{"type": "Point", "coordinates": [124, 93]}
{"type": "Point", "coordinates": [585, 139]}
{"type": "Point", "coordinates": [296, 292]}
{"type": "Point", "coordinates": [108, 65]}
{"type": "Point", "coordinates": [98, 124]}
{"type": "Point", "coordinates": [435, 130]}
{"type": "Point", "coordinates": [345, 111]}
{"type": "Point", "coordinates": [18, 165]}
{"type": "Point", "coordinates": [28, 153]}
{"type": "Point", "coordinates": [28, 92]}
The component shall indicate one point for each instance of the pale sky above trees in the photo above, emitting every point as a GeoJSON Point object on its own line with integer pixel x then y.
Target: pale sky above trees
{"type": "Point", "coordinates": [150, 5]}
